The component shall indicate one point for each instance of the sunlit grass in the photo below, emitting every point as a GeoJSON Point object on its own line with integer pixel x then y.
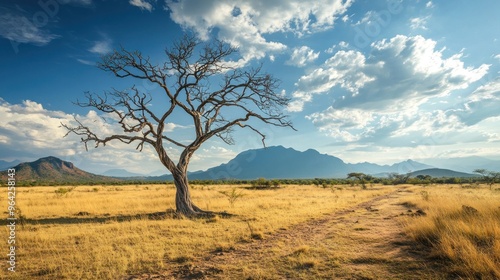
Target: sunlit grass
{"type": "Point", "coordinates": [98, 232]}
{"type": "Point", "coordinates": [462, 226]}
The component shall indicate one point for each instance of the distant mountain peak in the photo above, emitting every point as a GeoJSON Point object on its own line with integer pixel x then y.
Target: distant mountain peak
{"type": "Point", "coordinates": [52, 169]}
{"type": "Point", "coordinates": [280, 162]}
{"type": "Point", "coordinates": [56, 162]}
{"type": "Point", "coordinates": [50, 158]}
{"type": "Point", "coordinates": [312, 151]}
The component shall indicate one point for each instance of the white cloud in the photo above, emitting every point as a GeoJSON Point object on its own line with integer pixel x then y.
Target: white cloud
{"type": "Point", "coordinates": [367, 18]}
{"type": "Point", "coordinates": [142, 4]}
{"type": "Point", "coordinates": [419, 23]}
{"type": "Point", "coordinates": [429, 123]}
{"type": "Point", "coordinates": [343, 45]}
{"type": "Point", "coordinates": [302, 56]}
{"type": "Point", "coordinates": [101, 47]}
{"type": "Point", "coordinates": [408, 68]}
{"type": "Point", "coordinates": [344, 69]}
{"type": "Point", "coordinates": [488, 92]}
{"type": "Point", "coordinates": [497, 56]}
{"type": "Point", "coordinates": [341, 124]}
{"type": "Point", "coordinates": [243, 24]}
{"type": "Point", "coordinates": [20, 29]}
{"type": "Point", "coordinates": [31, 125]}
{"type": "Point", "coordinates": [374, 17]}
{"type": "Point", "coordinates": [381, 99]}
{"type": "Point", "coordinates": [331, 49]}
{"type": "Point", "coordinates": [429, 5]}
{"type": "Point", "coordinates": [410, 128]}
{"type": "Point", "coordinates": [480, 105]}
{"type": "Point", "coordinates": [29, 131]}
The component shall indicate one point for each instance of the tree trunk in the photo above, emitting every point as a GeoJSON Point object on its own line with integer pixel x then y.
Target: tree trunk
{"type": "Point", "coordinates": [183, 204]}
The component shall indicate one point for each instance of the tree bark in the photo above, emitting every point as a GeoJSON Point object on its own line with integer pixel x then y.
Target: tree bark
{"type": "Point", "coordinates": [183, 203]}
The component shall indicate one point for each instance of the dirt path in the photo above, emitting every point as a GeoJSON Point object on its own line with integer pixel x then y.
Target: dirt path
{"type": "Point", "coordinates": [362, 242]}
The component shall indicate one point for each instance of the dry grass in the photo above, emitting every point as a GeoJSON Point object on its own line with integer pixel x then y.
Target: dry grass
{"type": "Point", "coordinates": [108, 232]}
{"type": "Point", "coordinates": [462, 226]}
{"type": "Point", "coordinates": [104, 232]}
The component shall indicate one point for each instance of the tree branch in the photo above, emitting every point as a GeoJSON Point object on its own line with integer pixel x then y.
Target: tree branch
{"type": "Point", "coordinates": [195, 79]}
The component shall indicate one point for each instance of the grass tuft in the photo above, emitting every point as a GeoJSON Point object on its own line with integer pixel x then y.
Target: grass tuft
{"type": "Point", "coordinates": [466, 235]}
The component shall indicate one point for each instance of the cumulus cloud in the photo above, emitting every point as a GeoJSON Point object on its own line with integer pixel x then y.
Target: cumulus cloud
{"type": "Point", "coordinates": [20, 29]}
{"type": "Point", "coordinates": [302, 56]}
{"type": "Point", "coordinates": [30, 131]}
{"type": "Point", "coordinates": [343, 69]}
{"type": "Point", "coordinates": [410, 128]}
{"type": "Point", "coordinates": [142, 4]}
{"type": "Point", "coordinates": [381, 99]}
{"type": "Point", "coordinates": [30, 125]}
{"type": "Point", "coordinates": [243, 24]}
{"type": "Point", "coordinates": [401, 68]}
{"type": "Point", "coordinates": [344, 125]}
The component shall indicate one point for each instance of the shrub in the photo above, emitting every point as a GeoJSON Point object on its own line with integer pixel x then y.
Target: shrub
{"type": "Point", "coordinates": [232, 196]}
{"type": "Point", "coordinates": [425, 195]}
{"type": "Point", "coordinates": [63, 191]}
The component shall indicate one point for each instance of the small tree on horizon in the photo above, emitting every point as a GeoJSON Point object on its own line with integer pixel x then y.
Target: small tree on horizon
{"type": "Point", "coordinates": [397, 178]}
{"type": "Point", "coordinates": [360, 176]}
{"type": "Point", "coordinates": [198, 83]}
{"type": "Point", "coordinates": [489, 177]}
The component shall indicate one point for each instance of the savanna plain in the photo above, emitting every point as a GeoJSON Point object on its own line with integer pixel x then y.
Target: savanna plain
{"type": "Point", "coordinates": [286, 232]}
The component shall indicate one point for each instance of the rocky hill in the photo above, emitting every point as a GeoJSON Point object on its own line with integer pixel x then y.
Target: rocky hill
{"type": "Point", "coordinates": [53, 170]}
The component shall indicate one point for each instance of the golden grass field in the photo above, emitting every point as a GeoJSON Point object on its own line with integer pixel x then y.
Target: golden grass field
{"type": "Point", "coordinates": [109, 232]}
{"type": "Point", "coordinates": [468, 237]}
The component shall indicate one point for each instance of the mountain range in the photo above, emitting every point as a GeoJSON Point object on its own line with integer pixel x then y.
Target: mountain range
{"type": "Point", "coordinates": [275, 162]}
{"type": "Point", "coordinates": [281, 162]}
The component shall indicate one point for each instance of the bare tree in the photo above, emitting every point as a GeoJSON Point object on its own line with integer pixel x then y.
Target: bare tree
{"type": "Point", "coordinates": [242, 98]}
{"type": "Point", "coordinates": [489, 177]}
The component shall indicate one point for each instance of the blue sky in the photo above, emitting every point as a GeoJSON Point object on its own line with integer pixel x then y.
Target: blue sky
{"type": "Point", "coordinates": [379, 81]}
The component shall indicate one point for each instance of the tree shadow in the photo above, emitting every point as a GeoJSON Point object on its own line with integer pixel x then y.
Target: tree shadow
{"type": "Point", "coordinates": [84, 218]}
